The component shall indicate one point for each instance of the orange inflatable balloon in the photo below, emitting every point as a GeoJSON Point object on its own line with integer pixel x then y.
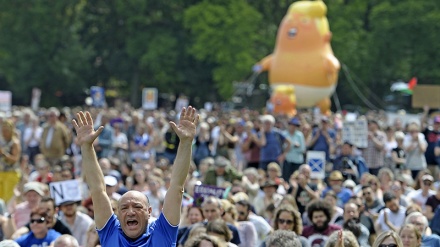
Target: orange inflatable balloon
{"type": "Point", "coordinates": [303, 57]}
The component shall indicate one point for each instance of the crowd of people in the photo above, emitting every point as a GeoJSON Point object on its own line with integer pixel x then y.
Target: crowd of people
{"type": "Point", "coordinates": [137, 171]}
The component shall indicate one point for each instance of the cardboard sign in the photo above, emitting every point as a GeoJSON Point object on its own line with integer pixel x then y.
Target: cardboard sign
{"type": "Point", "coordinates": [426, 95]}
{"type": "Point", "coordinates": [203, 191]}
{"type": "Point", "coordinates": [316, 160]}
{"type": "Point", "coordinates": [5, 101]}
{"type": "Point", "coordinates": [356, 132]}
{"type": "Point", "coordinates": [98, 96]}
{"type": "Point", "coordinates": [65, 191]}
{"type": "Point", "coordinates": [149, 98]}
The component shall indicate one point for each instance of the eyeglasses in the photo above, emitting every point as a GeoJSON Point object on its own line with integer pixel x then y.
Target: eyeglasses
{"type": "Point", "coordinates": [38, 221]}
{"type": "Point", "coordinates": [366, 193]}
{"type": "Point", "coordinates": [282, 221]}
{"type": "Point", "coordinates": [387, 245]}
{"type": "Point", "coordinates": [242, 213]}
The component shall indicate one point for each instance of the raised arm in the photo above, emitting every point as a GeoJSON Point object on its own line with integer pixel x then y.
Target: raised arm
{"type": "Point", "coordinates": [186, 130]}
{"type": "Point", "coordinates": [94, 177]}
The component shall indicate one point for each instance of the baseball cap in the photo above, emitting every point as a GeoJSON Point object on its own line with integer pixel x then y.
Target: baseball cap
{"type": "Point", "coordinates": [294, 121]}
{"type": "Point", "coordinates": [110, 181]}
{"type": "Point", "coordinates": [35, 186]}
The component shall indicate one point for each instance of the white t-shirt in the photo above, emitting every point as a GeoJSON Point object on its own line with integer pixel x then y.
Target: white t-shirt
{"type": "Point", "coordinates": [35, 141]}
{"type": "Point", "coordinates": [263, 228]}
{"type": "Point", "coordinates": [417, 197]}
{"type": "Point", "coordinates": [397, 219]}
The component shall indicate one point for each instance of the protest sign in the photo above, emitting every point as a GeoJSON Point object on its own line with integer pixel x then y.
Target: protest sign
{"type": "Point", "coordinates": [65, 191]}
{"type": "Point", "coordinates": [203, 191]}
{"type": "Point", "coordinates": [356, 132]}
{"type": "Point", "coordinates": [35, 100]}
{"type": "Point", "coordinates": [181, 102]}
{"type": "Point", "coordinates": [426, 95]}
{"type": "Point", "coordinates": [316, 160]}
{"type": "Point", "coordinates": [5, 101]}
{"type": "Point", "coordinates": [149, 98]}
{"type": "Point", "coordinates": [98, 96]}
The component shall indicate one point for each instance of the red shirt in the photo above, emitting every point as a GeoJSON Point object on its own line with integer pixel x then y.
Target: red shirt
{"type": "Point", "coordinates": [319, 238]}
{"type": "Point", "coordinates": [48, 178]}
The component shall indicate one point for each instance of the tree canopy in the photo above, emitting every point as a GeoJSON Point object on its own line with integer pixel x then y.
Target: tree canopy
{"type": "Point", "coordinates": [200, 47]}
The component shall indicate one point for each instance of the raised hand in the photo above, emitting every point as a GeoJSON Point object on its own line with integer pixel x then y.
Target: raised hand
{"type": "Point", "coordinates": [84, 129]}
{"type": "Point", "coordinates": [186, 130]}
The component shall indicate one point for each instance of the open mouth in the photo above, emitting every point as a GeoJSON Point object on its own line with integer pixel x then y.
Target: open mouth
{"type": "Point", "coordinates": [292, 32]}
{"type": "Point", "coordinates": [132, 223]}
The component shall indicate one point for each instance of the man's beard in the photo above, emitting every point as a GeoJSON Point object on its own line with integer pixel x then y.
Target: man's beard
{"type": "Point", "coordinates": [321, 228]}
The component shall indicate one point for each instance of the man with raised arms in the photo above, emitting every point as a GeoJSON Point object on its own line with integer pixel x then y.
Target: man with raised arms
{"type": "Point", "coordinates": [130, 227]}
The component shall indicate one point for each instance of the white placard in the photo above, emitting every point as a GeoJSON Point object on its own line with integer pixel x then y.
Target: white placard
{"type": "Point", "coordinates": [356, 132]}
{"type": "Point", "coordinates": [65, 191]}
{"type": "Point", "coordinates": [35, 100]}
{"type": "Point", "coordinates": [5, 101]}
{"type": "Point", "coordinates": [149, 98]}
{"type": "Point", "coordinates": [181, 102]}
{"type": "Point", "coordinates": [316, 160]}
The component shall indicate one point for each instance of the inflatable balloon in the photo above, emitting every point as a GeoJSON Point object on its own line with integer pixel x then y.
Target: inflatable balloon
{"type": "Point", "coordinates": [283, 100]}
{"type": "Point", "coordinates": [303, 57]}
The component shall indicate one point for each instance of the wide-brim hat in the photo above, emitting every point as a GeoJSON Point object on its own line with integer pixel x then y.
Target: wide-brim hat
{"type": "Point", "coordinates": [336, 176]}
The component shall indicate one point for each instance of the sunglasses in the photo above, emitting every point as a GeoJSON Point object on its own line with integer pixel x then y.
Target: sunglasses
{"type": "Point", "coordinates": [282, 221]}
{"type": "Point", "coordinates": [427, 183]}
{"type": "Point", "coordinates": [387, 245]}
{"type": "Point", "coordinates": [38, 221]}
{"type": "Point", "coordinates": [366, 193]}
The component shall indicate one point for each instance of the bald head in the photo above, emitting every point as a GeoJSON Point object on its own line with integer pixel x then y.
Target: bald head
{"type": "Point", "coordinates": [133, 194]}
{"type": "Point", "coordinates": [66, 241]}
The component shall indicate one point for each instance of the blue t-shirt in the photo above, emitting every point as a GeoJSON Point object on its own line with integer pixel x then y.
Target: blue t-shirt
{"type": "Point", "coordinates": [29, 240]}
{"type": "Point", "coordinates": [321, 144]}
{"type": "Point", "coordinates": [431, 241]}
{"type": "Point", "coordinates": [273, 147]}
{"type": "Point", "coordinates": [158, 233]}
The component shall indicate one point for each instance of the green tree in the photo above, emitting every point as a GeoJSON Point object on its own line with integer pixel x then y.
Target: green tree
{"type": "Point", "coordinates": [224, 33]}
{"type": "Point", "coordinates": [40, 48]}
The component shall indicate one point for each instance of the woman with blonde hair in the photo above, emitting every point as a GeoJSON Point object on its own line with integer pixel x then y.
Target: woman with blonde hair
{"type": "Point", "coordinates": [374, 183]}
{"type": "Point", "coordinates": [342, 239]}
{"type": "Point", "coordinates": [386, 178]}
{"type": "Point", "coordinates": [410, 236]}
{"type": "Point", "coordinates": [388, 239]}
{"type": "Point", "coordinates": [10, 150]}
{"type": "Point", "coordinates": [287, 218]}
